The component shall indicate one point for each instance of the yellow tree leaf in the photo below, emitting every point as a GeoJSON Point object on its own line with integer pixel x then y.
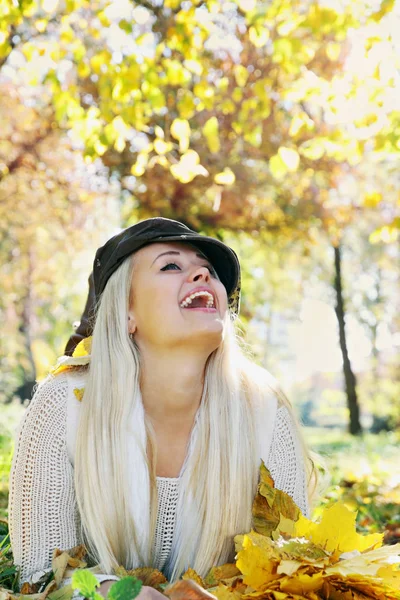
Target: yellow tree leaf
{"type": "Point", "coordinates": [211, 133]}
{"type": "Point", "coordinates": [180, 130]}
{"type": "Point", "coordinates": [336, 531]}
{"type": "Point", "coordinates": [270, 504]}
{"type": "Point", "coordinates": [241, 75]}
{"type": "Point", "coordinates": [84, 347]}
{"type": "Point", "coordinates": [188, 167]}
{"type": "Point", "coordinates": [290, 158]}
{"type": "Point", "coordinates": [191, 574]}
{"type": "Point", "coordinates": [225, 177]}
{"type": "Point", "coordinates": [369, 563]}
{"type": "Point", "coordinates": [220, 573]}
{"type": "Point", "coordinates": [257, 560]}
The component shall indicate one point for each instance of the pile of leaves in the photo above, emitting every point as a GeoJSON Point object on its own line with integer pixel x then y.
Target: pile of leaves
{"type": "Point", "coordinates": [285, 557]}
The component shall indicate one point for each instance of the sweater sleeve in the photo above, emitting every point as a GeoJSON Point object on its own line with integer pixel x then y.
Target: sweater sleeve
{"type": "Point", "coordinates": [43, 513]}
{"type": "Point", "coordinates": [286, 461]}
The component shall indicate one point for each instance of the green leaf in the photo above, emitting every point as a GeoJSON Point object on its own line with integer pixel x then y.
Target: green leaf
{"type": "Point", "coordinates": [84, 581]}
{"type": "Point", "coordinates": [126, 588]}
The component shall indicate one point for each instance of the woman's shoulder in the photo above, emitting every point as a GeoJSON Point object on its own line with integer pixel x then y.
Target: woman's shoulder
{"type": "Point", "coordinates": [71, 371]}
{"type": "Point", "coordinates": [55, 389]}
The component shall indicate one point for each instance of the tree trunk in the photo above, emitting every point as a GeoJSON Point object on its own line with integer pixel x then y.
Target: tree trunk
{"type": "Point", "coordinates": [349, 377]}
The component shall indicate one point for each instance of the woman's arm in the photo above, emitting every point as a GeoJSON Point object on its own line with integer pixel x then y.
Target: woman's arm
{"type": "Point", "coordinates": [286, 460]}
{"type": "Point", "coordinates": [43, 514]}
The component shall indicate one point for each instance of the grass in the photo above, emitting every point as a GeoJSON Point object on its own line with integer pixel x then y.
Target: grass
{"type": "Point", "coordinates": [364, 473]}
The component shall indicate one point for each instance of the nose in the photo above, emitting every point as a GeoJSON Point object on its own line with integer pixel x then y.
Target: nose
{"type": "Point", "coordinates": [200, 274]}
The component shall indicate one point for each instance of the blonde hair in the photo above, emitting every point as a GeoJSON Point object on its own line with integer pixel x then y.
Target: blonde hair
{"type": "Point", "coordinates": [115, 478]}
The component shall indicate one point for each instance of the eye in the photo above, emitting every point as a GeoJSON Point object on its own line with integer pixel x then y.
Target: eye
{"type": "Point", "coordinates": [171, 264]}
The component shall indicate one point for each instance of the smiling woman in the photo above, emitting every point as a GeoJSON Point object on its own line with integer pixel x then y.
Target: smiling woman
{"type": "Point", "coordinates": [157, 464]}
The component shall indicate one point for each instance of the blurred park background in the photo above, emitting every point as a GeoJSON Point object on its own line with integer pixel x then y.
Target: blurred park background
{"type": "Point", "coordinates": [273, 125]}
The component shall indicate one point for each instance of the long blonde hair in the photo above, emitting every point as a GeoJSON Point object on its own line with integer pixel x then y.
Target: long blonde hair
{"type": "Point", "coordinates": [115, 478]}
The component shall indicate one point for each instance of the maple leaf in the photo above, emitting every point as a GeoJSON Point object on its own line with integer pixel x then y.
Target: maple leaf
{"type": "Point", "coordinates": [336, 531]}
{"type": "Point", "coordinates": [223, 592]}
{"type": "Point", "coordinates": [191, 574]}
{"type": "Point", "coordinates": [257, 559]}
{"type": "Point", "coordinates": [271, 504]}
{"type": "Point", "coordinates": [221, 574]}
{"type": "Point", "coordinates": [148, 576]}
{"type": "Point", "coordinates": [380, 560]}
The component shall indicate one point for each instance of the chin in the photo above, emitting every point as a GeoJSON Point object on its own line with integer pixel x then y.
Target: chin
{"type": "Point", "coordinates": [210, 334]}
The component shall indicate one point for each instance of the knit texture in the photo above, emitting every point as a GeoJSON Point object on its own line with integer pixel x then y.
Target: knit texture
{"type": "Point", "coordinates": [43, 512]}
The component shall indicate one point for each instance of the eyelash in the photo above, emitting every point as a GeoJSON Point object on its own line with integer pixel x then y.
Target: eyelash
{"type": "Point", "coordinates": [209, 267]}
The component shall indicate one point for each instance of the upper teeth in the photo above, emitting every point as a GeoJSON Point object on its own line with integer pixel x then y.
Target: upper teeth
{"type": "Point", "coordinates": [189, 299]}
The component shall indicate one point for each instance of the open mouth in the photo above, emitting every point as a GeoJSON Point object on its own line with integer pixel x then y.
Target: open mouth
{"type": "Point", "coordinates": [199, 299]}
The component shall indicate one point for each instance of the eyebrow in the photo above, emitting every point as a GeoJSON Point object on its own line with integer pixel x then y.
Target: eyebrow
{"type": "Point", "coordinates": [176, 252]}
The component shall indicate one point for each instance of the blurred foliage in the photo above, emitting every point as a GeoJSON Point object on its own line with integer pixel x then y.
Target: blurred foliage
{"type": "Point", "coordinates": [229, 113]}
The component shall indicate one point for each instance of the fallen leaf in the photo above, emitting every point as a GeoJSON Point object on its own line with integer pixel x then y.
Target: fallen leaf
{"type": "Point", "coordinates": [220, 574]}
{"type": "Point", "coordinates": [271, 504]}
{"type": "Point", "coordinates": [147, 575]}
{"type": "Point", "coordinates": [192, 575]}
{"type": "Point", "coordinates": [336, 532]}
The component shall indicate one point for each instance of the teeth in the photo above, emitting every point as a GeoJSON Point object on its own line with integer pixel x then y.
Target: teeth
{"type": "Point", "coordinates": [189, 299]}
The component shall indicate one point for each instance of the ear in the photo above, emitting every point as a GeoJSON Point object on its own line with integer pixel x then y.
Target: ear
{"type": "Point", "coordinates": [131, 323]}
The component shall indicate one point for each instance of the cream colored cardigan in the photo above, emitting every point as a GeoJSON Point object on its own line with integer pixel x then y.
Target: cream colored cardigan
{"type": "Point", "coordinates": [43, 513]}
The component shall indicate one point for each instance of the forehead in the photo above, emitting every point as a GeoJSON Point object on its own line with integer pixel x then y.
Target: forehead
{"type": "Point", "coordinates": [151, 251]}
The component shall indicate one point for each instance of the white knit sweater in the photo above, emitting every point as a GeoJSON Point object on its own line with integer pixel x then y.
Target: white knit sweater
{"type": "Point", "coordinates": [43, 513]}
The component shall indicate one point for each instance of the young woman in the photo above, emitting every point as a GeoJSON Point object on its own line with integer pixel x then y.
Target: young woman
{"type": "Point", "coordinates": [149, 449]}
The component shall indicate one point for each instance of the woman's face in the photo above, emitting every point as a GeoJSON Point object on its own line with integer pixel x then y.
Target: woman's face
{"type": "Point", "coordinates": [164, 311]}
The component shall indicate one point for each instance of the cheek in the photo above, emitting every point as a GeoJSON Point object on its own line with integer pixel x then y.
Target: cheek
{"type": "Point", "coordinates": [153, 303]}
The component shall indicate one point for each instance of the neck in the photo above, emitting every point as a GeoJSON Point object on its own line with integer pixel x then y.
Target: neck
{"type": "Point", "coordinates": [172, 385]}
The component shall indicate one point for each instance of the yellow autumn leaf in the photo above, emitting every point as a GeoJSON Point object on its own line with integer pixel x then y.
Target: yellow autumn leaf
{"type": "Point", "coordinates": [188, 167]}
{"type": "Point", "coordinates": [191, 574]}
{"type": "Point", "coordinates": [336, 531]}
{"type": "Point", "coordinates": [220, 574]}
{"type": "Point", "coordinates": [241, 75]}
{"type": "Point", "coordinates": [83, 348]}
{"type": "Point", "coordinates": [369, 563]}
{"type": "Point", "coordinates": [223, 592]}
{"type": "Point", "coordinates": [162, 147]}
{"type": "Point", "coordinates": [271, 505]}
{"type": "Point", "coordinates": [211, 133]}
{"type": "Point", "coordinates": [258, 36]}
{"type": "Point", "coordinates": [78, 393]}
{"type": "Point", "coordinates": [302, 583]}
{"type": "Point", "coordinates": [290, 158]}
{"type": "Point", "coordinates": [180, 130]}
{"type": "Point", "coordinates": [257, 559]}
{"type": "Point", "coordinates": [225, 177]}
